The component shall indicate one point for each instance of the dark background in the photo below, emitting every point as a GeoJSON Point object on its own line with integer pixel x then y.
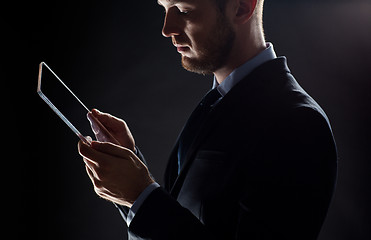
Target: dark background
{"type": "Point", "coordinates": [113, 56]}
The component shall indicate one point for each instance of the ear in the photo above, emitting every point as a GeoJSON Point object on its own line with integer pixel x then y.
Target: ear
{"type": "Point", "coordinates": [245, 10]}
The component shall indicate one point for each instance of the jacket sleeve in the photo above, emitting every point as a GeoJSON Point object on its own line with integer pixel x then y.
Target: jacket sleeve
{"type": "Point", "coordinates": [293, 181]}
{"type": "Point", "coordinates": [162, 217]}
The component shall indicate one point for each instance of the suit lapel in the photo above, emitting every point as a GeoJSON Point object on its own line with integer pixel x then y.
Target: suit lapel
{"type": "Point", "coordinates": [171, 172]}
{"type": "Point", "coordinates": [209, 124]}
{"type": "Point", "coordinates": [245, 94]}
{"type": "Point", "coordinates": [217, 114]}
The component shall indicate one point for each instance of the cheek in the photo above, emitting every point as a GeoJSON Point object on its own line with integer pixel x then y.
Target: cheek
{"type": "Point", "coordinates": [197, 35]}
{"type": "Point", "coordinates": [199, 29]}
{"type": "Point", "coordinates": [199, 25]}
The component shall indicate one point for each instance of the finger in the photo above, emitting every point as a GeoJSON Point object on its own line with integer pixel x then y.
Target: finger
{"type": "Point", "coordinates": [118, 131]}
{"type": "Point", "coordinates": [109, 121]}
{"type": "Point", "coordinates": [102, 132]}
{"type": "Point", "coordinates": [118, 151]}
{"type": "Point", "coordinates": [93, 123]}
{"type": "Point", "coordinates": [90, 173]}
{"type": "Point", "coordinates": [104, 118]}
{"type": "Point", "coordinates": [112, 149]}
{"type": "Point", "coordinates": [94, 177]}
{"type": "Point", "coordinates": [91, 155]}
{"type": "Point", "coordinates": [98, 187]}
{"type": "Point", "coordinates": [90, 164]}
{"type": "Point", "coordinates": [81, 147]}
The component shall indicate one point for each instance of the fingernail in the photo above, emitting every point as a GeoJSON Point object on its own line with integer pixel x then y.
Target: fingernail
{"type": "Point", "coordinates": [89, 140]}
{"type": "Point", "coordinates": [96, 111]}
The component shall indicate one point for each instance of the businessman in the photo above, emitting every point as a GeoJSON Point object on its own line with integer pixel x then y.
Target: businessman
{"type": "Point", "coordinates": [256, 158]}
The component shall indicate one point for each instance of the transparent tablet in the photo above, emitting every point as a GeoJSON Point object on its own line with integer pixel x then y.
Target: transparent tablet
{"type": "Point", "coordinates": [63, 101]}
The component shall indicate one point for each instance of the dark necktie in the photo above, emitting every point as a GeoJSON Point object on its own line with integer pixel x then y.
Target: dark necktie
{"type": "Point", "coordinates": [194, 123]}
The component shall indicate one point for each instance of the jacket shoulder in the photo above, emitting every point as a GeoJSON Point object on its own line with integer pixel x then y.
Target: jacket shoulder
{"type": "Point", "coordinates": [271, 89]}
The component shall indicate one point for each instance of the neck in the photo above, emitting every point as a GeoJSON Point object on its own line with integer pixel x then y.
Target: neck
{"type": "Point", "coordinates": [243, 50]}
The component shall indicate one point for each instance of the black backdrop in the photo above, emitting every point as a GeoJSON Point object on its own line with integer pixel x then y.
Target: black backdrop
{"type": "Point", "coordinates": [113, 56]}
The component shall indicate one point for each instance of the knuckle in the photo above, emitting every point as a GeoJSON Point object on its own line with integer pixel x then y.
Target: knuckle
{"type": "Point", "coordinates": [97, 183]}
{"type": "Point", "coordinates": [100, 165]}
{"type": "Point", "coordinates": [99, 172]}
{"type": "Point", "coordinates": [100, 176]}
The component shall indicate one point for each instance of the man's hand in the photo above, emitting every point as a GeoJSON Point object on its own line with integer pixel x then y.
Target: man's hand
{"type": "Point", "coordinates": [117, 174]}
{"type": "Point", "coordinates": [108, 128]}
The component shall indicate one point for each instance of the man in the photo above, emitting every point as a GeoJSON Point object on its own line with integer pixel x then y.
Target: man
{"type": "Point", "coordinates": [256, 159]}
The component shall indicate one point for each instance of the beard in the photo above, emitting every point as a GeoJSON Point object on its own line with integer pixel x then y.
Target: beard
{"type": "Point", "coordinates": [214, 51]}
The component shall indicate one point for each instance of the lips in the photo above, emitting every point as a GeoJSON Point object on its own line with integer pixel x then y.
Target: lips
{"type": "Point", "coordinates": [180, 47]}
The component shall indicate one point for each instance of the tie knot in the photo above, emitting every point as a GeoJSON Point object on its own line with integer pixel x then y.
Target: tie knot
{"type": "Point", "coordinates": [210, 98]}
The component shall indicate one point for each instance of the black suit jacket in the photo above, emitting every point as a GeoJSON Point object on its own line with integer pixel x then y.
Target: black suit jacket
{"type": "Point", "coordinates": [262, 167]}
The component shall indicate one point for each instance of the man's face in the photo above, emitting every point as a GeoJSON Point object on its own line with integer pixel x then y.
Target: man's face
{"type": "Point", "coordinates": [200, 32]}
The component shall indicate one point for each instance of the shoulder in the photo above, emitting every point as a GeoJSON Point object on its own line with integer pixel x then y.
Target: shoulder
{"type": "Point", "coordinates": [271, 101]}
{"type": "Point", "coordinates": [272, 90]}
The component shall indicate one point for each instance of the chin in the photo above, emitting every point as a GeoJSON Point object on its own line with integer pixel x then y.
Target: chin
{"type": "Point", "coordinates": [197, 66]}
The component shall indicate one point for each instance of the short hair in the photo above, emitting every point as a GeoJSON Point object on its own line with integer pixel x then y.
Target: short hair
{"type": "Point", "coordinates": [221, 4]}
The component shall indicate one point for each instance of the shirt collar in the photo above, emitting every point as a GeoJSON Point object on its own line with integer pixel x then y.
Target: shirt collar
{"type": "Point", "coordinates": [245, 69]}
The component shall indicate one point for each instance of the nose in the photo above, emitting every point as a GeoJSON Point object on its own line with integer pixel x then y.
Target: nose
{"type": "Point", "coordinates": [171, 25]}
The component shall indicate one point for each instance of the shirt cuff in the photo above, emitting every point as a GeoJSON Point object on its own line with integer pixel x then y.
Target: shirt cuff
{"type": "Point", "coordinates": [135, 207]}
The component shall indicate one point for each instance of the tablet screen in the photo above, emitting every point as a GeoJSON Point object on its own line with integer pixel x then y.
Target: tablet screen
{"type": "Point", "coordinates": [63, 101]}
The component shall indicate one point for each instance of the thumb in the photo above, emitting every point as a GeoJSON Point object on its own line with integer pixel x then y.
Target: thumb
{"type": "Point", "coordinates": [93, 122]}
{"type": "Point", "coordinates": [100, 131]}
